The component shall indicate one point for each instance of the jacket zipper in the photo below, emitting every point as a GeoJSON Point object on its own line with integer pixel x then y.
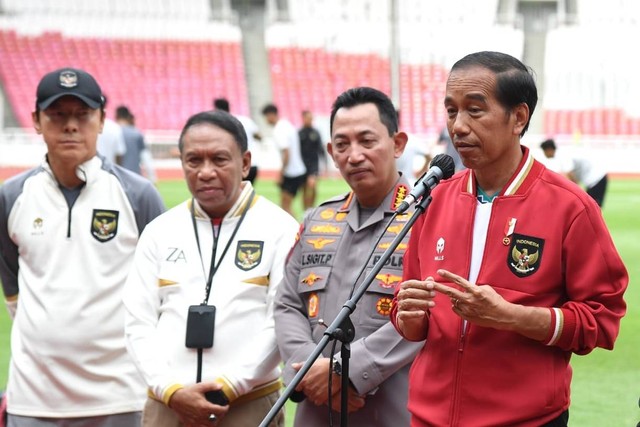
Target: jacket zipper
{"type": "Point", "coordinates": [464, 326]}
{"type": "Point", "coordinates": [463, 334]}
{"type": "Point", "coordinates": [69, 224]}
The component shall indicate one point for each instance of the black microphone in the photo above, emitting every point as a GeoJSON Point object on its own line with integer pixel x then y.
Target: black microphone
{"type": "Point", "coordinates": [442, 167]}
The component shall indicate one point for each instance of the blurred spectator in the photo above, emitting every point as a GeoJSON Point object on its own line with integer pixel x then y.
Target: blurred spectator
{"type": "Point", "coordinates": [444, 140]}
{"type": "Point", "coordinates": [252, 131]}
{"type": "Point", "coordinates": [293, 172]}
{"type": "Point", "coordinates": [111, 141]}
{"type": "Point", "coordinates": [579, 169]}
{"type": "Point", "coordinates": [557, 162]}
{"type": "Point", "coordinates": [312, 149]}
{"type": "Point", "coordinates": [137, 152]}
{"type": "Point", "coordinates": [407, 160]}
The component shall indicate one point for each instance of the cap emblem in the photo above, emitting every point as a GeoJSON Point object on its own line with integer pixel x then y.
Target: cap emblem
{"type": "Point", "coordinates": [68, 79]}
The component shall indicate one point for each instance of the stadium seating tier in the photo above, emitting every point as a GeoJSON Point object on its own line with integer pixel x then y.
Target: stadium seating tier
{"type": "Point", "coordinates": [162, 81]}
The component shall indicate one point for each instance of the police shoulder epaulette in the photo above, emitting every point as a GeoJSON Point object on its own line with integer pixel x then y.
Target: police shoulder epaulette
{"type": "Point", "coordinates": [338, 198]}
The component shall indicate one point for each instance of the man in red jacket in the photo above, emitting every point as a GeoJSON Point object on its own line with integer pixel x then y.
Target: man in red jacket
{"type": "Point", "coordinates": [510, 271]}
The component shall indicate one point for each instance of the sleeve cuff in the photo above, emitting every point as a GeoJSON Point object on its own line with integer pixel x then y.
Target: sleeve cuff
{"type": "Point", "coordinates": [563, 325]}
{"type": "Point", "coordinates": [363, 375]}
{"type": "Point", "coordinates": [168, 393]}
{"type": "Point", "coordinates": [12, 305]}
{"type": "Point", "coordinates": [227, 388]}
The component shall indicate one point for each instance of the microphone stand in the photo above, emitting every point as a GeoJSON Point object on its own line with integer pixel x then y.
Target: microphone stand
{"type": "Point", "coordinates": [342, 328]}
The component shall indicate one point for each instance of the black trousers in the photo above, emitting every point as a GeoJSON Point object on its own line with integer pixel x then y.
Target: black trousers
{"type": "Point", "coordinates": [597, 190]}
{"type": "Point", "coordinates": [561, 421]}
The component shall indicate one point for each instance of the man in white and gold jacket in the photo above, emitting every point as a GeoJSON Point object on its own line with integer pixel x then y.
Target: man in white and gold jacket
{"type": "Point", "coordinates": [236, 240]}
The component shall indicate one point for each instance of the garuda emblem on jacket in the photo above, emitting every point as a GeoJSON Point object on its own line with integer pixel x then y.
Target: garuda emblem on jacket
{"type": "Point", "coordinates": [104, 225]}
{"type": "Point", "coordinates": [525, 255]}
{"type": "Point", "coordinates": [248, 254]}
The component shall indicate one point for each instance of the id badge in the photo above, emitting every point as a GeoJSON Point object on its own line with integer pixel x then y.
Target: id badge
{"type": "Point", "coordinates": [201, 321]}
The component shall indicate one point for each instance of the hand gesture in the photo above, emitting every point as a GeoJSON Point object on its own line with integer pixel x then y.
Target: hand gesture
{"type": "Point", "coordinates": [193, 409]}
{"type": "Point", "coordinates": [355, 401]}
{"type": "Point", "coordinates": [315, 384]}
{"type": "Point", "coordinates": [413, 300]}
{"type": "Point", "coordinates": [483, 306]}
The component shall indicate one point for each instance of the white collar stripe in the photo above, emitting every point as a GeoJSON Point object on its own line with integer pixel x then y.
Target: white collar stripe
{"type": "Point", "coordinates": [515, 184]}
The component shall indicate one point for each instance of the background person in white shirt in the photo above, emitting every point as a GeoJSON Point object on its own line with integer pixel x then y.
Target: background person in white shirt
{"type": "Point", "coordinates": [253, 135]}
{"type": "Point", "coordinates": [111, 142]}
{"type": "Point", "coordinates": [578, 169]}
{"type": "Point", "coordinates": [137, 154]}
{"type": "Point", "coordinates": [293, 173]}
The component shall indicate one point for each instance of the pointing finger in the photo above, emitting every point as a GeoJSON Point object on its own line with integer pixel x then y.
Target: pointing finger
{"type": "Point", "coordinates": [449, 291]}
{"type": "Point", "coordinates": [458, 280]}
{"type": "Point", "coordinates": [418, 284]}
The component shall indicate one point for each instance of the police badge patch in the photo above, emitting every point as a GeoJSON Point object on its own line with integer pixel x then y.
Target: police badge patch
{"type": "Point", "coordinates": [388, 281]}
{"type": "Point", "coordinates": [104, 225]}
{"type": "Point", "coordinates": [311, 279]}
{"type": "Point", "coordinates": [314, 305]}
{"type": "Point", "coordinates": [525, 255]}
{"type": "Point", "coordinates": [248, 254]}
{"type": "Point", "coordinates": [383, 306]}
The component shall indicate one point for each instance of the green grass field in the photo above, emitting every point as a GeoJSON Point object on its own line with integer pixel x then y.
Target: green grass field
{"type": "Point", "coordinates": [605, 387]}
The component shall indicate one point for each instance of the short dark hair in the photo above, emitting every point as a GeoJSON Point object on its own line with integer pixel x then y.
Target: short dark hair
{"type": "Point", "coordinates": [221, 119]}
{"type": "Point", "coordinates": [221, 104]}
{"type": "Point", "coordinates": [269, 109]}
{"type": "Point", "coordinates": [367, 95]}
{"type": "Point", "coordinates": [515, 83]}
{"type": "Point", "coordinates": [548, 144]}
{"type": "Point", "coordinates": [123, 112]}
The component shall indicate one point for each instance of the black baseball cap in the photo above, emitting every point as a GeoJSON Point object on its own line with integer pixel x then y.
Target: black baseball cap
{"type": "Point", "coordinates": [69, 81]}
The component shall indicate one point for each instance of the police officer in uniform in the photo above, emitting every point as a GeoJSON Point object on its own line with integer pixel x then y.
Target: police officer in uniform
{"type": "Point", "coordinates": [336, 239]}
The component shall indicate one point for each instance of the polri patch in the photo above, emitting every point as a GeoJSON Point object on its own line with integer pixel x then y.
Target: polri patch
{"type": "Point", "coordinates": [525, 255]}
{"type": "Point", "coordinates": [248, 254]}
{"type": "Point", "coordinates": [104, 224]}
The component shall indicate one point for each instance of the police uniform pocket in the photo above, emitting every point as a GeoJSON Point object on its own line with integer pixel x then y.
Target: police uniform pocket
{"type": "Point", "coordinates": [376, 303]}
{"type": "Point", "coordinates": [311, 288]}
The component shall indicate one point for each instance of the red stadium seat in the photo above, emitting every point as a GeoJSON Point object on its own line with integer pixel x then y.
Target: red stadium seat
{"type": "Point", "coordinates": [161, 81]}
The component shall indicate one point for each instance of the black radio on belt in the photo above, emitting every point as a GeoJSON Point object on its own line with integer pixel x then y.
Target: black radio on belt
{"type": "Point", "coordinates": [201, 321]}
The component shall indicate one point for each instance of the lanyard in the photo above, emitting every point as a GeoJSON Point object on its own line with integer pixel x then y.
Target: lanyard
{"type": "Point", "coordinates": [213, 267]}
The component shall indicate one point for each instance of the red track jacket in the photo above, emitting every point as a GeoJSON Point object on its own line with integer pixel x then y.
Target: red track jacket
{"type": "Point", "coordinates": [559, 255]}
